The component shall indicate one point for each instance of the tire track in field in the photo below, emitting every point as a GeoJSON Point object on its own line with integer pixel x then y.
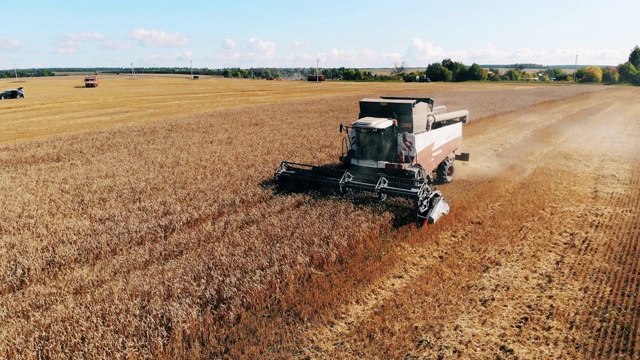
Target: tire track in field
{"type": "Point", "coordinates": [627, 282]}
{"type": "Point", "coordinates": [615, 280]}
{"type": "Point", "coordinates": [418, 260]}
{"type": "Point", "coordinates": [563, 247]}
{"type": "Point", "coordinates": [584, 249]}
{"type": "Point", "coordinates": [608, 245]}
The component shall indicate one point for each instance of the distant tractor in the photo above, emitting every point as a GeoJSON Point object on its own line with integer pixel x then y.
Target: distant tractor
{"type": "Point", "coordinates": [91, 81]}
{"type": "Point", "coordinates": [416, 78]}
{"type": "Point", "coordinates": [316, 78]}
{"type": "Point", "coordinates": [396, 148]}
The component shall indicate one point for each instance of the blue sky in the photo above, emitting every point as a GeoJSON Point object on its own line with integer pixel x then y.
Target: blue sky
{"type": "Point", "coordinates": [286, 33]}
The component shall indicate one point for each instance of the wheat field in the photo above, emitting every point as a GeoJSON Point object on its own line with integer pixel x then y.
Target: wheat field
{"type": "Point", "coordinates": [138, 220]}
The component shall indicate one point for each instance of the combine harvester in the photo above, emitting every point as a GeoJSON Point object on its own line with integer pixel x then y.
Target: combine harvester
{"type": "Point", "coordinates": [396, 148]}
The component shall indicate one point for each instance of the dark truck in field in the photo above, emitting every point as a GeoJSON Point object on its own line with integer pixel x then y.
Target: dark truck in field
{"type": "Point", "coordinates": [12, 94]}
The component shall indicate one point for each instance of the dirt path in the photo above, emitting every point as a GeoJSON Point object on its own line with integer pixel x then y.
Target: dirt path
{"type": "Point", "coordinates": [538, 258]}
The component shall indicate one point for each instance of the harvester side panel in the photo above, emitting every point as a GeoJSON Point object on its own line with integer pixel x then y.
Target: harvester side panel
{"type": "Point", "coordinates": [436, 145]}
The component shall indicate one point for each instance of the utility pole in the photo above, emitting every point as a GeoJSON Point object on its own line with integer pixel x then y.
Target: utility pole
{"type": "Point", "coordinates": [15, 70]}
{"type": "Point", "coordinates": [191, 68]}
{"type": "Point", "coordinates": [317, 65]}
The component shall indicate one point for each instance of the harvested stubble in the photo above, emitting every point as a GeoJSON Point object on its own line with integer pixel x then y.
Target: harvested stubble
{"type": "Point", "coordinates": [120, 242]}
{"type": "Point", "coordinates": [165, 240]}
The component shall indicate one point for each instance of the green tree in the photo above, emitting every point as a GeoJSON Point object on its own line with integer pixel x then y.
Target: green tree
{"type": "Point", "coordinates": [592, 74]}
{"type": "Point", "coordinates": [459, 71]}
{"type": "Point", "coordinates": [433, 72]}
{"type": "Point", "coordinates": [437, 72]}
{"type": "Point", "coordinates": [557, 74]}
{"type": "Point", "coordinates": [476, 73]}
{"type": "Point", "coordinates": [512, 75]}
{"type": "Point", "coordinates": [628, 73]}
{"type": "Point", "coordinates": [579, 74]}
{"type": "Point", "coordinates": [448, 64]}
{"type": "Point", "coordinates": [349, 74]}
{"type": "Point", "coordinates": [634, 57]}
{"type": "Point", "coordinates": [493, 77]}
{"type": "Point", "coordinates": [493, 74]}
{"type": "Point", "coordinates": [610, 75]}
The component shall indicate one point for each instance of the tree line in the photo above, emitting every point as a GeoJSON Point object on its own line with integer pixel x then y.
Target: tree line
{"type": "Point", "coordinates": [629, 72]}
{"type": "Point", "coordinates": [341, 73]}
{"type": "Point", "coordinates": [245, 73]}
{"type": "Point", "coordinates": [446, 70]}
{"type": "Point", "coordinates": [626, 73]}
{"type": "Point", "coordinates": [25, 73]}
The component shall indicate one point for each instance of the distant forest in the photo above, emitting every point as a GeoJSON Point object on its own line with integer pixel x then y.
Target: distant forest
{"type": "Point", "coordinates": [446, 70]}
{"type": "Point", "coordinates": [256, 73]}
{"type": "Point", "coordinates": [342, 73]}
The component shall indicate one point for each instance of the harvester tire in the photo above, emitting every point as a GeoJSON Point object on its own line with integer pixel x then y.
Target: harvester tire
{"type": "Point", "coordinates": [445, 171]}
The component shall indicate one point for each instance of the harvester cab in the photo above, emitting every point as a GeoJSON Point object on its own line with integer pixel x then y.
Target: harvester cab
{"type": "Point", "coordinates": [397, 147]}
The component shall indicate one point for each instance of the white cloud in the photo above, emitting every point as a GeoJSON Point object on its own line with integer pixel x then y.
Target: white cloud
{"type": "Point", "coordinates": [228, 44]}
{"type": "Point", "coordinates": [8, 44]}
{"type": "Point", "coordinates": [300, 57]}
{"type": "Point", "coordinates": [256, 52]}
{"type": "Point", "coordinates": [85, 36]}
{"type": "Point", "coordinates": [179, 60]}
{"type": "Point", "coordinates": [342, 58]}
{"type": "Point", "coordinates": [157, 38]}
{"type": "Point", "coordinates": [153, 60]}
{"type": "Point", "coordinates": [391, 58]}
{"type": "Point", "coordinates": [69, 46]}
{"type": "Point", "coordinates": [72, 43]}
{"type": "Point", "coordinates": [352, 58]}
{"type": "Point", "coordinates": [115, 45]}
{"type": "Point", "coordinates": [67, 50]}
{"type": "Point", "coordinates": [188, 55]}
{"type": "Point", "coordinates": [600, 57]}
{"type": "Point", "coordinates": [261, 49]}
{"type": "Point", "coordinates": [422, 53]}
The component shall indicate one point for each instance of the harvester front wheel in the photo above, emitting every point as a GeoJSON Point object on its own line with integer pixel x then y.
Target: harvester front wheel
{"type": "Point", "coordinates": [446, 171]}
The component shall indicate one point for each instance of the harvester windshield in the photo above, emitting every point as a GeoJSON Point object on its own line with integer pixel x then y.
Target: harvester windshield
{"type": "Point", "coordinates": [375, 144]}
